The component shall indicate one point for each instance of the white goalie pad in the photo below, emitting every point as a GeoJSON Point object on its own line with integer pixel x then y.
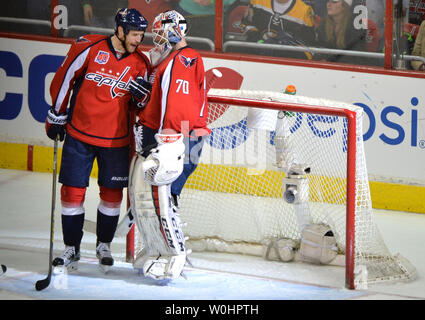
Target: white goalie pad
{"type": "Point", "coordinates": [165, 162]}
{"type": "Point", "coordinates": [164, 267]}
{"type": "Point", "coordinates": [142, 206]}
{"type": "Point", "coordinates": [159, 226]}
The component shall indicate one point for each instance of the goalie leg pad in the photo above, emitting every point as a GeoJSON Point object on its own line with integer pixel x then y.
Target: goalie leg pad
{"type": "Point", "coordinates": [159, 225]}
{"type": "Point", "coordinates": [318, 244]}
{"type": "Point", "coordinates": [164, 267]}
{"type": "Point", "coordinates": [142, 205]}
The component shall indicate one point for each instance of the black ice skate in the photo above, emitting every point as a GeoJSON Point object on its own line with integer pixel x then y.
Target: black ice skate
{"type": "Point", "coordinates": [103, 253]}
{"type": "Point", "coordinates": [67, 260]}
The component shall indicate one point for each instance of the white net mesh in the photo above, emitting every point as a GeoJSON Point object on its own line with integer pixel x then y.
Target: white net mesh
{"type": "Point", "coordinates": [233, 202]}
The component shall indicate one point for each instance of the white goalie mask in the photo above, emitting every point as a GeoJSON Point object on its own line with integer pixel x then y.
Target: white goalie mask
{"type": "Point", "coordinates": [168, 29]}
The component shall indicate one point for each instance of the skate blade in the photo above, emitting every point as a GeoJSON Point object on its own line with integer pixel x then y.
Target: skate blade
{"type": "Point", "coordinates": [104, 268]}
{"type": "Point", "coordinates": [58, 270]}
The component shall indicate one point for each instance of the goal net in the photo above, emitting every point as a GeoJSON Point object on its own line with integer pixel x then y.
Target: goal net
{"type": "Point", "coordinates": [237, 199]}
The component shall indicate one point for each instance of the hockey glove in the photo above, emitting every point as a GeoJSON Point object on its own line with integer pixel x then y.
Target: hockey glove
{"type": "Point", "coordinates": [165, 162]}
{"type": "Point", "coordinates": [55, 125]}
{"type": "Point", "coordinates": [140, 89]}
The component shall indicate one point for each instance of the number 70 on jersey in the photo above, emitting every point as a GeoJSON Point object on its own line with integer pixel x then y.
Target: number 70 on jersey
{"type": "Point", "coordinates": [183, 86]}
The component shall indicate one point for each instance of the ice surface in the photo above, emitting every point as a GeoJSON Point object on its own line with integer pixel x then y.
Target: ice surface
{"type": "Point", "coordinates": [24, 247]}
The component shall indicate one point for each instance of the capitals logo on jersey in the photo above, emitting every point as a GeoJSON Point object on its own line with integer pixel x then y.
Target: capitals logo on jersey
{"type": "Point", "coordinates": [81, 40]}
{"type": "Point", "coordinates": [187, 62]}
{"type": "Point", "coordinates": [102, 57]}
{"type": "Point", "coordinates": [116, 84]}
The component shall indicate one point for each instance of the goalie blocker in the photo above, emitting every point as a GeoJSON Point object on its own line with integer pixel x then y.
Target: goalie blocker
{"type": "Point", "coordinates": [164, 253]}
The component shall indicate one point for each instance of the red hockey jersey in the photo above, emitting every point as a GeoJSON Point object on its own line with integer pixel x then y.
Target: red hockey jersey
{"type": "Point", "coordinates": [178, 99]}
{"type": "Point", "coordinates": [98, 111]}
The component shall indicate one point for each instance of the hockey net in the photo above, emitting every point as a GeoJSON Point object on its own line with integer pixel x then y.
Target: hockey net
{"type": "Point", "coordinates": [234, 201]}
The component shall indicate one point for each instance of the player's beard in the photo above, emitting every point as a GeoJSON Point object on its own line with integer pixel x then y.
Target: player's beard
{"type": "Point", "coordinates": [128, 47]}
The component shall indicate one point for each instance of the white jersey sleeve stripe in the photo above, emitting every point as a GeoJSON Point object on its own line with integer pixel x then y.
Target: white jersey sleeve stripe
{"type": "Point", "coordinates": [165, 86]}
{"type": "Point", "coordinates": [70, 73]}
{"type": "Point", "coordinates": [205, 92]}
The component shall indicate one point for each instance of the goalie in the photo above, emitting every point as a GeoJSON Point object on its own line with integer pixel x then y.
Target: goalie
{"type": "Point", "coordinates": [169, 136]}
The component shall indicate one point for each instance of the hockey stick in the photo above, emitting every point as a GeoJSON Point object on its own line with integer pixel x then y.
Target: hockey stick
{"type": "Point", "coordinates": [3, 270]}
{"type": "Point", "coordinates": [44, 283]}
{"type": "Point", "coordinates": [122, 229]}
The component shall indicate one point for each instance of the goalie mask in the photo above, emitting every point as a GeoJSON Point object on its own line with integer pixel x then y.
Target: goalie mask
{"type": "Point", "coordinates": [168, 29]}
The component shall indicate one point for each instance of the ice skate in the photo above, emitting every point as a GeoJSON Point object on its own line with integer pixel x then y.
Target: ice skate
{"type": "Point", "coordinates": [103, 253]}
{"type": "Point", "coordinates": [67, 260]}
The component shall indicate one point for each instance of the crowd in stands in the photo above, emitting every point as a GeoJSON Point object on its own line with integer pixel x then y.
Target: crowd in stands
{"type": "Point", "coordinates": [347, 25]}
{"type": "Point", "coordinates": [356, 25]}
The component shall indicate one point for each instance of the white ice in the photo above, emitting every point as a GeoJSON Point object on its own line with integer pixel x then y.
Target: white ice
{"type": "Point", "coordinates": [24, 248]}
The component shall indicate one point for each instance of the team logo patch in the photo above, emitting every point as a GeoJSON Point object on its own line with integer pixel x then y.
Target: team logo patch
{"type": "Point", "coordinates": [102, 57]}
{"type": "Point", "coordinates": [81, 40]}
{"type": "Point", "coordinates": [117, 84]}
{"type": "Point", "coordinates": [187, 62]}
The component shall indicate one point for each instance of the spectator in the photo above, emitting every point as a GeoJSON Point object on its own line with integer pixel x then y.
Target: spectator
{"type": "Point", "coordinates": [419, 48]}
{"type": "Point", "coordinates": [416, 11]}
{"type": "Point", "coordinates": [150, 9]}
{"type": "Point", "coordinates": [338, 31]}
{"type": "Point", "coordinates": [101, 13]}
{"type": "Point", "coordinates": [200, 15]}
{"type": "Point", "coordinates": [287, 22]}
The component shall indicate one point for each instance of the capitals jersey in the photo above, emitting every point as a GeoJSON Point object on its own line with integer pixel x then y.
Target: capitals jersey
{"type": "Point", "coordinates": [178, 101]}
{"type": "Point", "coordinates": [99, 107]}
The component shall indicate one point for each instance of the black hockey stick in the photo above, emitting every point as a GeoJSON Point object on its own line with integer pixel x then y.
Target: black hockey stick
{"type": "Point", "coordinates": [44, 283]}
{"type": "Point", "coordinates": [3, 270]}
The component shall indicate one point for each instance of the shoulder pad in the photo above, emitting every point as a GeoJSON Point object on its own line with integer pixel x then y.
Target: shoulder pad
{"type": "Point", "coordinates": [90, 39]}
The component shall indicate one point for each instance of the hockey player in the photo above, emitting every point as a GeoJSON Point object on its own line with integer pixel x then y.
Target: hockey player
{"type": "Point", "coordinates": [169, 137]}
{"type": "Point", "coordinates": [99, 71]}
